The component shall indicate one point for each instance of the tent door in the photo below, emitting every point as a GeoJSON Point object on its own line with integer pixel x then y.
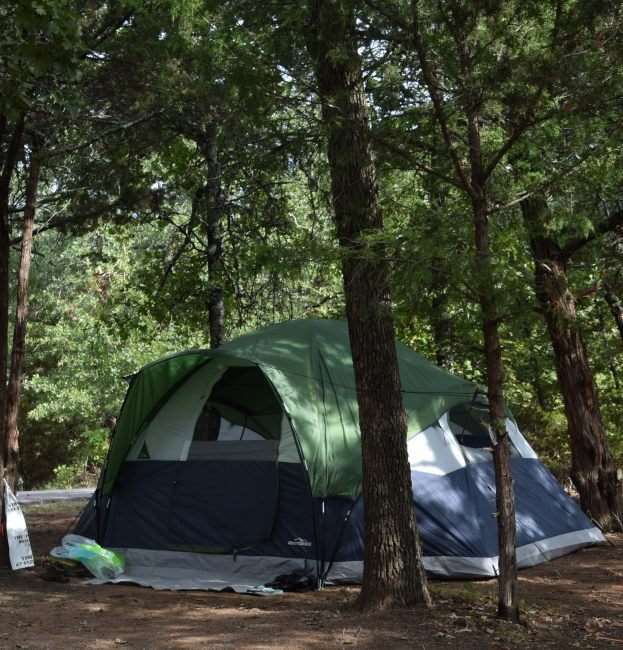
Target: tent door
{"type": "Point", "coordinates": [223, 506]}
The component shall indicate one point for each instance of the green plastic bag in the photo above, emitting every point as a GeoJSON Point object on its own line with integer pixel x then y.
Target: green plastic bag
{"type": "Point", "coordinates": [101, 562]}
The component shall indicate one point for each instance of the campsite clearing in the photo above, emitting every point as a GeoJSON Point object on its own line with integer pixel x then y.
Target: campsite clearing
{"type": "Point", "coordinates": [576, 601]}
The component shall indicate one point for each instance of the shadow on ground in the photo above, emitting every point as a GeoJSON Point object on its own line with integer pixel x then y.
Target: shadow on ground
{"type": "Point", "coordinates": [576, 601]}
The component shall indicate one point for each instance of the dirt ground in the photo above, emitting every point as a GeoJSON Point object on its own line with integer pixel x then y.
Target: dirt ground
{"type": "Point", "coordinates": [573, 602]}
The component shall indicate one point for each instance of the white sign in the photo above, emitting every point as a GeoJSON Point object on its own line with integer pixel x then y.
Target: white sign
{"type": "Point", "coordinates": [20, 550]}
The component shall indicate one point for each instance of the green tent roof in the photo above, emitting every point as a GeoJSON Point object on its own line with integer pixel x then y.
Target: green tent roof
{"type": "Point", "coordinates": [309, 363]}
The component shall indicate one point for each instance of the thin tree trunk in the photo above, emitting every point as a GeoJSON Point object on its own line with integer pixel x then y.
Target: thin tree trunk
{"type": "Point", "coordinates": [592, 468]}
{"type": "Point", "coordinates": [21, 318]}
{"type": "Point", "coordinates": [212, 225]}
{"type": "Point", "coordinates": [616, 307]}
{"type": "Point", "coordinates": [393, 570]}
{"type": "Point", "coordinates": [504, 495]}
{"type": "Point", "coordinates": [537, 383]}
{"type": "Point", "coordinates": [505, 500]}
{"type": "Point", "coordinates": [473, 181]}
{"type": "Point", "coordinates": [536, 372]}
{"type": "Point", "coordinates": [440, 319]}
{"type": "Point", "coordinates": [8, 167]}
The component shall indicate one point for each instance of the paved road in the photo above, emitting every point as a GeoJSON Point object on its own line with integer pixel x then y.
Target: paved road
{"type": "Point", "coordinates": [43, 496]}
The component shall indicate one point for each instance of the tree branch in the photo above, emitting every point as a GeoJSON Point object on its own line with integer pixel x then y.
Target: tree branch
{"type": "Point", "coordinates": [111, 26]}
{"type": "Point", "coordinates": [437, 100]}
{"type": "Point", "coordinates": [188, 235]}
{"type": "Point", "coordinates": [121, 127]}
{"type": "Point", "coordinates": [407, 156]}
{"type": "Point", "coordinates": [615, 220]}
{"type": "Point", "coordinates": [10, 160]}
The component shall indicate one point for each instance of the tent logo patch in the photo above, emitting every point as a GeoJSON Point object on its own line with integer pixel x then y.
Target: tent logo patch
{"type": "Point", "coordinates": [299, 541]}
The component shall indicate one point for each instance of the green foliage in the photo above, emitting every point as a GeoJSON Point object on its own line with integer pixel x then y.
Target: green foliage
{"type": "Point", "coordinates": [90, 326]}
{"type": "Point", "coordinates": [87, 453]}
{"type": "Point", "coordinates": [124, 93]}
{"type": "Point", "coordinates": [99, 312]}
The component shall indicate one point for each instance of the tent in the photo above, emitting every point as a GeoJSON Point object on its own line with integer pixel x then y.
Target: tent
{"type": "Point", "coordinates": [233, 466]}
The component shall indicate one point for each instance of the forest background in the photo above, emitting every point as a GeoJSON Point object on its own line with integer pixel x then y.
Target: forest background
{"type": "Point", "coordinates": [182, 173]}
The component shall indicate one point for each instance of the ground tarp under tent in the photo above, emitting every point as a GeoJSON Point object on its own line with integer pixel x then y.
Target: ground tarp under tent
{"type": "Point", "coordinates": [231, 467]}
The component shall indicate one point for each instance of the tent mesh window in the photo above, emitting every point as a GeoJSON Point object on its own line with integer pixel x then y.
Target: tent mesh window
{"type": "Point", "coordinates": [240, 420]}
{"type": "Point", "coordinates": [471, 426]}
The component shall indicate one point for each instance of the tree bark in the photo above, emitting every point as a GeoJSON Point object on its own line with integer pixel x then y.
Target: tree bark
{"type": "Point", "coordinates": [8, 166]}
{"type": "Point", "coordinates": [393, 570]}
{"type": "Point", "coordinates": [212, 227]}
{"type": "Point", "coordinates": [592, 468]}
{"type": "Point", "coordinates": [11, 451]}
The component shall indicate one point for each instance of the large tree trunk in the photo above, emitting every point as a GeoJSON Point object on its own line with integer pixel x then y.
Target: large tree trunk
{"type": "Point", "coordinates": [8, 166]}
{"type": "Point", "coordinates": [19, 332]}
{"type": "Point", "coordinates": [212, 227]}
{"type": "Point", "coordinates": [393, 570]}
{"type": "Point", "coordinates": [592, 468]}
{"type": "Point", "coordinates": [505, 500]}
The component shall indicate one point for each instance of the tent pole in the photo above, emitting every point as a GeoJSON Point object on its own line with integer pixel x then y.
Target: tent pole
{"type": "Point", "coordinates": [338, 540]}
